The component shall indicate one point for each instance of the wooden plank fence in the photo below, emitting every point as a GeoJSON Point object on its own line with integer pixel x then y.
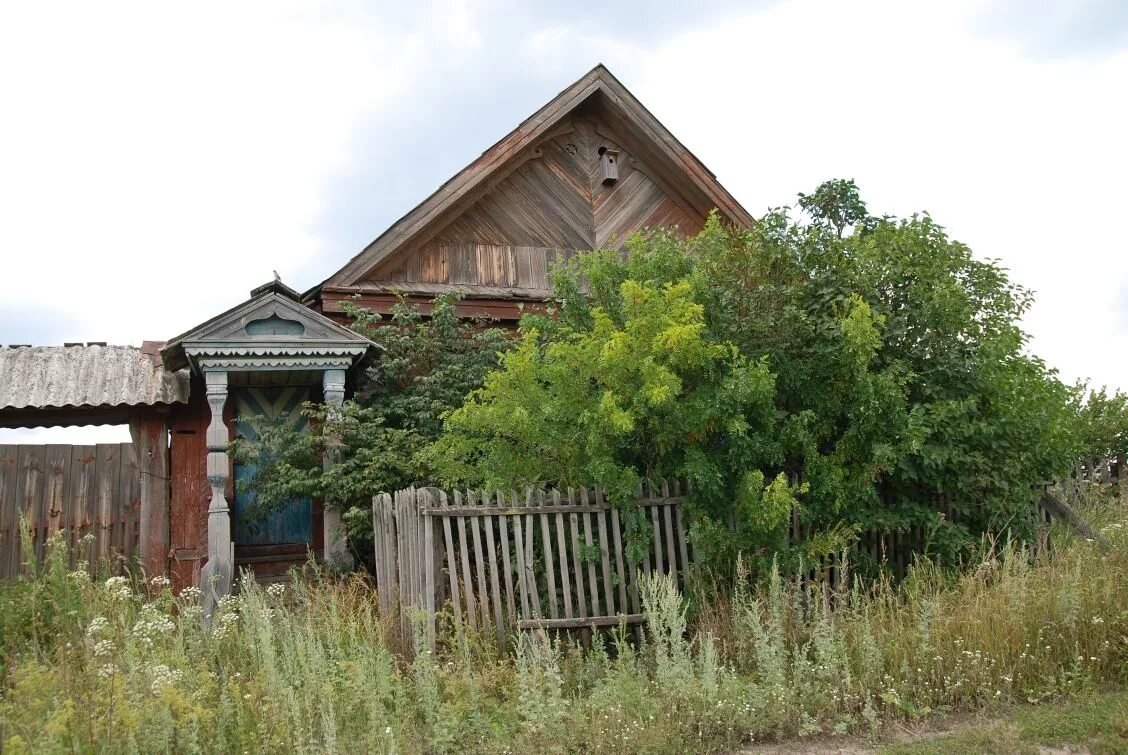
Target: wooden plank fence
{"type": "Point", "coordinates": [78, 490]}
{"type": "Point", "coordinates": [556, 560]}
{"type": "Point", "coordinates": [553, 560]}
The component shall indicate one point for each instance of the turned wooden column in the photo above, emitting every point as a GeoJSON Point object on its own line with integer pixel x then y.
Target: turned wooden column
{"type": "Point", "coordinates": [215, 579]}
{"type": "Point", "coordinates": [336, 545]}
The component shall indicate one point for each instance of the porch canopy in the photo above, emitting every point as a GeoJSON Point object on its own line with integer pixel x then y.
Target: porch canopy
{"type": "Point", "coordinates": [271, 336]}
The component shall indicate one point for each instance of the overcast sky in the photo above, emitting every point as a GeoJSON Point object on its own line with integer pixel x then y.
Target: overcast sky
{"type": "Point", "coordinates": [158, 160]}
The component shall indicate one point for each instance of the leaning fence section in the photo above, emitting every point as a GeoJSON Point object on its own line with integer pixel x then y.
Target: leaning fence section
{"type": "Point", "coordinates": [552, 560]}
{"type": "Point", "coordinates": [91, 494]}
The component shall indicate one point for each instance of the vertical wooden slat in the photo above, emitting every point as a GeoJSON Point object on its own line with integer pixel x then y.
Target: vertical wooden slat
{"type": "Point", "coordinates": [549, 560]}
{"type": "Point", "coordinates": [659, 562]}
{"type": "Point", "coordinates": [30, 498]}
{"type": "Point", "coordinates": [479, 560]}
{"type": "Point", "coordinates": [503, 530]}
{"type": "Point", "coordinates": [593, 588]}
{"type": "Point", "coordinates": [391, 537]}
{"type": "Point", "coordinates": [492, 562]}
{"type": "Point", "coordinates": [530, 572]}
{"type": "Point", "coordinates": [406, 560]}
{"type": "Point", "coordinates": [378, 554]}
{"type": "Point", "coordinates": [562, 554]}
{"type": "Point", "coordinates": [428, 524]}
{"type": "Point", "coordinates": [668, 517]}
{"type": "Point", "coordinates": [626, 579]}
{"type": "Point", "coordinates": [605, 558]}
{"type": "Point", "coordinates": [55, 494]}
{"type": "Point", "coordinates": [464, 557]}
{"type": "Point", "coordinates": [86, 491]}
{"type": "Point", "coordinates": [682, 548]}
{"type": "Point", "coordinates": [577, 572]}
{"type": "Point", "coordinates": [452, 567]}
{"type": "Point", "coordinates": [519, 549]}
{"type": "Point", "coordinates": [9, 511]}
{"type": "Point", "coordinates": [108, 475]}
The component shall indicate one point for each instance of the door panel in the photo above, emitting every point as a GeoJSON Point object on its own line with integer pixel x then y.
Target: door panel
{"type": "Point", "coordinates": [292, 524]}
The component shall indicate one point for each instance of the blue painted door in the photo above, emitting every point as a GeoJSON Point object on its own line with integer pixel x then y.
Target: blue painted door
{"type": "Point", "coordinates": [292, 524]}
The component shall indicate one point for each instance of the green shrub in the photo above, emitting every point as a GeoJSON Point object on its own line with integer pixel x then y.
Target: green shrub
{"type": "Point", "coordinates": [107, 664]}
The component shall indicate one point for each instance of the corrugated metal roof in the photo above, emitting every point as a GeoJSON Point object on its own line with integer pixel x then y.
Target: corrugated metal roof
{"type": "Point", "coordinates": [33, 377]}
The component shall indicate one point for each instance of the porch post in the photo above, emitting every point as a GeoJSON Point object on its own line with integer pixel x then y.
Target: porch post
{"type": "Point", "coordinates": [215, 579]}
{"type": "Point", "coordinates": [336, 548]}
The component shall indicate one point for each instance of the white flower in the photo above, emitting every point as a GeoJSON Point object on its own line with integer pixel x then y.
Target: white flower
{"type": "Point", "coordinates": [107, 670]}
{"type": "Point", "coordinates": [164, 677]}
{"type": "Point", "coordinates": [151, 625]}
{"type": "Point", "coordinates": [97, 624]}
{"type": "Point", "coordinates": [81, 576]}
{"type": "Point", "coordinates": [276, 590]}
{"type": "Point", "coordinates": [191, 593]}
{"type": "Point", "coordinates": [160, 582]}
{"type": "Point", "coordinates": [118, 587]}
{"type": "Point", "coordinates": [103, 648]}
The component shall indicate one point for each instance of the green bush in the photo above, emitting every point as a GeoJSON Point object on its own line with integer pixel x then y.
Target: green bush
{"type": "Point", "coordinates": [110, 665]}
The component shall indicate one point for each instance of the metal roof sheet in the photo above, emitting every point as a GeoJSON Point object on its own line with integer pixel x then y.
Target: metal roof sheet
{"type": "Point", "coordinates": [33, 377]}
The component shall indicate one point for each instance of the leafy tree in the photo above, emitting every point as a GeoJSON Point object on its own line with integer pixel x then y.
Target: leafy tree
{"type": "Point", "coordinates": [1104, 425]}
{"type": "Point", "coordinates": [637, 392]}
{"type": "Point", "coordinates": [428, 366]}
{"type": "Point", "coordinates": [875, 359]}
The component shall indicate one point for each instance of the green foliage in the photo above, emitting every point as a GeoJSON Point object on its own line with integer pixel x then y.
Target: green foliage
{"type": "Point", "coordinates": [1104, 425]}
{"type": "Point", "coordinates": [109, 665]}
{"type": "Point", "coordinates": [874, 359]}
{"type": "Point", "coordinates": [638, 393]}
{"type": "Point", "coordinates": [428, 366]}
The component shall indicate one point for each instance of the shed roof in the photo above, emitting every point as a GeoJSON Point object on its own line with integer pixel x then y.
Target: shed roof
{"type": "Point", "coordinates": [57, 377]}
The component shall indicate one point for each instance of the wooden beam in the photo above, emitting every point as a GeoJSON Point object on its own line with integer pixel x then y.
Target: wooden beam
{"type": "Point", "coordinates": [149, 431]}
{"type": "Point", "coordinates": [593, 622]}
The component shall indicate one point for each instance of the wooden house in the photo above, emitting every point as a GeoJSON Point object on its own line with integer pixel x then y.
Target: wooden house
{"type": "Point", "coordinates": [585, 171]}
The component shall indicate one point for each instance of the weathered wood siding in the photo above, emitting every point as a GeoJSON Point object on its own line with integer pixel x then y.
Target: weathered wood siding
{"type": "Point", "coordinates": [551, 202]}
{"type": "Point", "coordinates": [190, 492]}
{"type": "Point", "coordinates": [76, 490]}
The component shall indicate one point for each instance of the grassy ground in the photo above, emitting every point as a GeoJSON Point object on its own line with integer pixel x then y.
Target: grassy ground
{"type": "Point", "coordinates": [115, 665]}
{"type": "Point", "coordinates": [1097, 723]}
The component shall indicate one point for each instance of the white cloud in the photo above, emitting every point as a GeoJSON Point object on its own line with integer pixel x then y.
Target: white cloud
{"type": "Point", "coordinates": [158, 161]}
{"type": "Point", "coordinates": [1024, 161]}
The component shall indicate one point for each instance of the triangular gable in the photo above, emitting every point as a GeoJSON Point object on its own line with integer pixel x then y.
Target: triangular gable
{"type": "Point", "coordinates": [271, 319]}
{"type": "Point", "coordinates": [528, 199]}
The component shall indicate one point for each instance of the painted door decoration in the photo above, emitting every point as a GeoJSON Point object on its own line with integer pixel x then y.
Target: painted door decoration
{"type": "Point", "coordinates": [292, 524]}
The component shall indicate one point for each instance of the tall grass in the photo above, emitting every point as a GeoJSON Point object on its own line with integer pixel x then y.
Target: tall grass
{"type": "Point", "coordinates": [119, 665]}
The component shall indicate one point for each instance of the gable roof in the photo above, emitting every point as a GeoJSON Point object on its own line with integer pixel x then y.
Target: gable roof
{"type": "Point", "coordinates": [284, 326]}
{"type": "Point", "coordinates": [650, 138]}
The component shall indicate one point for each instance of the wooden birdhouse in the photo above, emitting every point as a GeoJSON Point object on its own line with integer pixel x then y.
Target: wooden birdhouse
{"type": "Point", "coordinates": [609, 163]}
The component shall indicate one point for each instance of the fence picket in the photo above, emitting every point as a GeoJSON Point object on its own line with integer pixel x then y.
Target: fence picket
{"type": "Point", "coordinates": [480, 570]}
{"type": "Point", "coordinates": [452, 567]}
{"type": "Point", "coordinates": [593, 587]}
{"type": "Point", "coordinates": [492, 561]}
{"type": "Point", "coordinates": [562, 554]}
{"type": "Point", "coordinates": [574, 522]}
{"type": "Point", "coordinates": [467, 581]}
{"type": "Point", "coordinates": [530, 572]}
{"type": "Point", "coordinates": [605, 560]}
{"type": "Point", "coordinates": [503, 528]}
{"type": "Point", "coordinates": [519, 550]}
{"type": "Point", "coordinates": [549, 565]}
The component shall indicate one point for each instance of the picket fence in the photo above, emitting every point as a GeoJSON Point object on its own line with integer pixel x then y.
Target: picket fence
{"type": "Point", "coordinates": [552, 560]}
{"type": "Point", "coordinates": [555, 560]}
